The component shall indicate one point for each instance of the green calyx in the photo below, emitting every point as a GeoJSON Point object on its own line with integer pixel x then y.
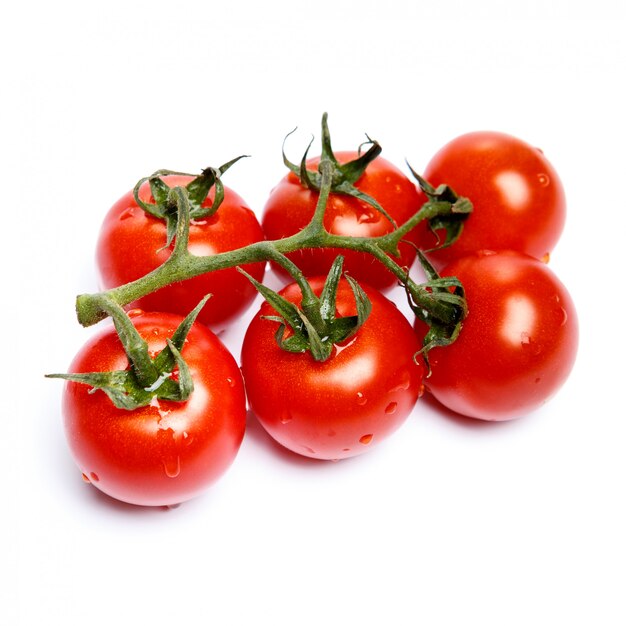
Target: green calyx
{"type": "Point", "coordinates": [439, 333]}
{"type": "Point", "coordinates": [315, 327]}
{"type": "Point", "coordinates": [445, 210]}
{"type": "Point", "coordinates": [165, 207]}
{"type": "Point", "coordinates": [345, 175]}
{"type": "Point", "coordinates": [311, 327]}
{"type": "Point", "coordinates": [147, 377]}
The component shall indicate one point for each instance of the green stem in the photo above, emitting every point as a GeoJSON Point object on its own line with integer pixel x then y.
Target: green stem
{"type": "Point", "coordinates": [316, 225]}
{"type": "Point", "coordinates": [182, 265]}
{"type": "Point", "coordinates": [185, 266]}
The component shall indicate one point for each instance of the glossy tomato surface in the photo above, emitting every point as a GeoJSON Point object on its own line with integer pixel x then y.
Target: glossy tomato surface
{"type": "Point", "coordinates": [343, 406]}
{"type": "Point", "coordinates": [167, 452]}
{"type": "Point", "coordinates": [517, 195]}
{"type": "Point", "coordinates": [518, 343]}
{"type": "Point", "coordinates": [290, 208]}
{"type": "Point", "coordinates": [131, 244]}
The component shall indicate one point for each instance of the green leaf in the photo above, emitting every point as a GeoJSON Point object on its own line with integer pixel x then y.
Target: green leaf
{"type": "Point", "coordinates": [118, 385]}
{"type": "Point", "coordinates": [317, 329]}
{"type": "Point", "coordinates": [349, 190]}
{"type": "Point", "coordinates": [447, 210]}
{"type": "Point", "coordinates": [344, 174]}
{"type": "Point", "coordinates": [343, 328]}
{"type": "Point", "coordinates": [427, 267]}
{"type": "Point", "coordinates": [287, 310]}
{"type": "Point", "coordinates": [165, 361]}
{"type": "Point", "coordinates": [328, 297]}
{"type": "Point", "coordinates": [133, 343]}
{"type": "Point", "coordinates": [438, 288]}
{"type": "Point", "coordinates": [185, 379]}
{"type": "Point", "coordinates": [363, 303]}
{"type": "Point", "coordinates": [293, 343]}
{"type": "Point", "coordinates": [353, 170]}
{"type": "Point", "coordinates": [129, 390]}
{"type": "Point", "coordinates": [319, 346]}
{"type": "Point", "coordinates": [160, 191]}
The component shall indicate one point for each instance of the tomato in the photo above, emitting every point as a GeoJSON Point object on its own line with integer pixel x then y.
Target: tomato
{"type": "Point", "coordinates": [343, 406]}
{"type": "Point", "coordinates": [167, 452]}
{"type": "Point", "coordinates": [517, 196]}
{"type": "Point", "coordinates": [290, 208]}
{"type": "Point", "coordinates": [132, 244]}
{"type": "Point", "coordinates": [517, 345]}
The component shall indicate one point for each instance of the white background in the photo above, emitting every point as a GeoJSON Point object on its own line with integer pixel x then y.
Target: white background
{"type": "Point", "coordinates": [450, 521]}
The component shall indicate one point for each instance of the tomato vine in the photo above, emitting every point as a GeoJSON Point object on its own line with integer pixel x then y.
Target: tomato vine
{"type": "Point", "coordinates": [443, 311]}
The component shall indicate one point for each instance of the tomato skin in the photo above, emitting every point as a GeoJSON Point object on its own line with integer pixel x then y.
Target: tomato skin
{"type": "Point", "coordinates": [343, 406]}
{"type": "Point", "coordinates": [131, 244]}
{"type": "Point", "coordinates": [517, 195]}
{"type": "Point", "coordinates": [168, 452]}
{"type": "Point", "coordinates": [290, 208]}
{"type": "Point", "coordinates": [518, 343]}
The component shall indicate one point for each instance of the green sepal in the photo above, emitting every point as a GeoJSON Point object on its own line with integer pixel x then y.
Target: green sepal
{"type": "Point", "coordinates": [169, 357]}
{"type": "Point", "coordinates": [448, 211]}
{"type": "Point", "coordinates": [438, 288]}
{"type": "Point", "coordinates": [118, 385]}
{"type": "Point", "coordinates": [288, 311]}
{"type": "Point", "coordinates": [345, 174]}
{"type": "Point", "coordinates": [363, 303]}
{"type": "Point", "coordinates": [165, 208]}
{"type": "Point", "coordinates": [317, 337]}
{"type": "Point", "coordinates": [147, 378]}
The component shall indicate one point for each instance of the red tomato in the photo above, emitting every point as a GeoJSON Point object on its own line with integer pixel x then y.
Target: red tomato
{"type": "Point", "coordinates": [131, 244]}
{"type": "Point", "coordinates": [290, 208]}
{"type": "Point", "coordinates": [518, 199]}
{"type": "Point", "coordinates": [167, 452]}
{"type": "Point", "coordinates": [517, 345]}
{"type": "Point", "coordinates": [343, 406]}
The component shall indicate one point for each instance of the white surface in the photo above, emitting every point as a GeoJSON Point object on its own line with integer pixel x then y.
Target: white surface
{"type": "Point", "coordinates": [449, 522]}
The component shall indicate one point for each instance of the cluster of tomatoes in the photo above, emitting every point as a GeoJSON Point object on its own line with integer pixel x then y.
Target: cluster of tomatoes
{"type": "Point", "coordinates": [516, 347]}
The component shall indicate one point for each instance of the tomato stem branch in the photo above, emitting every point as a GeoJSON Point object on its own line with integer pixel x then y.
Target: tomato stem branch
{"type": "Point", "coordinates": [182, 264]}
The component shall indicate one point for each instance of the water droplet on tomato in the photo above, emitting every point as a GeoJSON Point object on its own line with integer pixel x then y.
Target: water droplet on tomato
{"type": "Point", "coordinates": [368, 217]}
{"type": "Point", "coordinates": [564, 318]}
{"type": "Point", "coordinates": [230, 381]}
{"type": "Point", "coordinates": [360, 398]}
{"type": "Point", "coordinates": [529, 344]}
{"type": "Point", "coordinates": [172, 466]}
{"type": "Point", "coordinates": [546, 258]}
{"type": "Point", "coordinates": [94, 477]}
{"type": "Point", "coordinates": [187, 439]}
{"type": "Point", "coordinates": [403, 383]}
{"type": "Point", "coordinates": [86, 478]}
{"type": "Point", "coordinates": [135, 312]}
{"type": "Point", "coordinates": [366, 439]}
{"type": "Point", "coordinates": [308, 450]}
{"type": "Point", "coordinates": [391, 408]}
{"type": "Point", "coordinates": [421, 390]}
{"type": "Point", "coordinates": [129, 212]}
{"type": "Point", "coordinates": [486, 252]}
{"type": "Point", "coordinates": [543, 179]}
{"type": "Point", "coordinates": [286, 417]}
